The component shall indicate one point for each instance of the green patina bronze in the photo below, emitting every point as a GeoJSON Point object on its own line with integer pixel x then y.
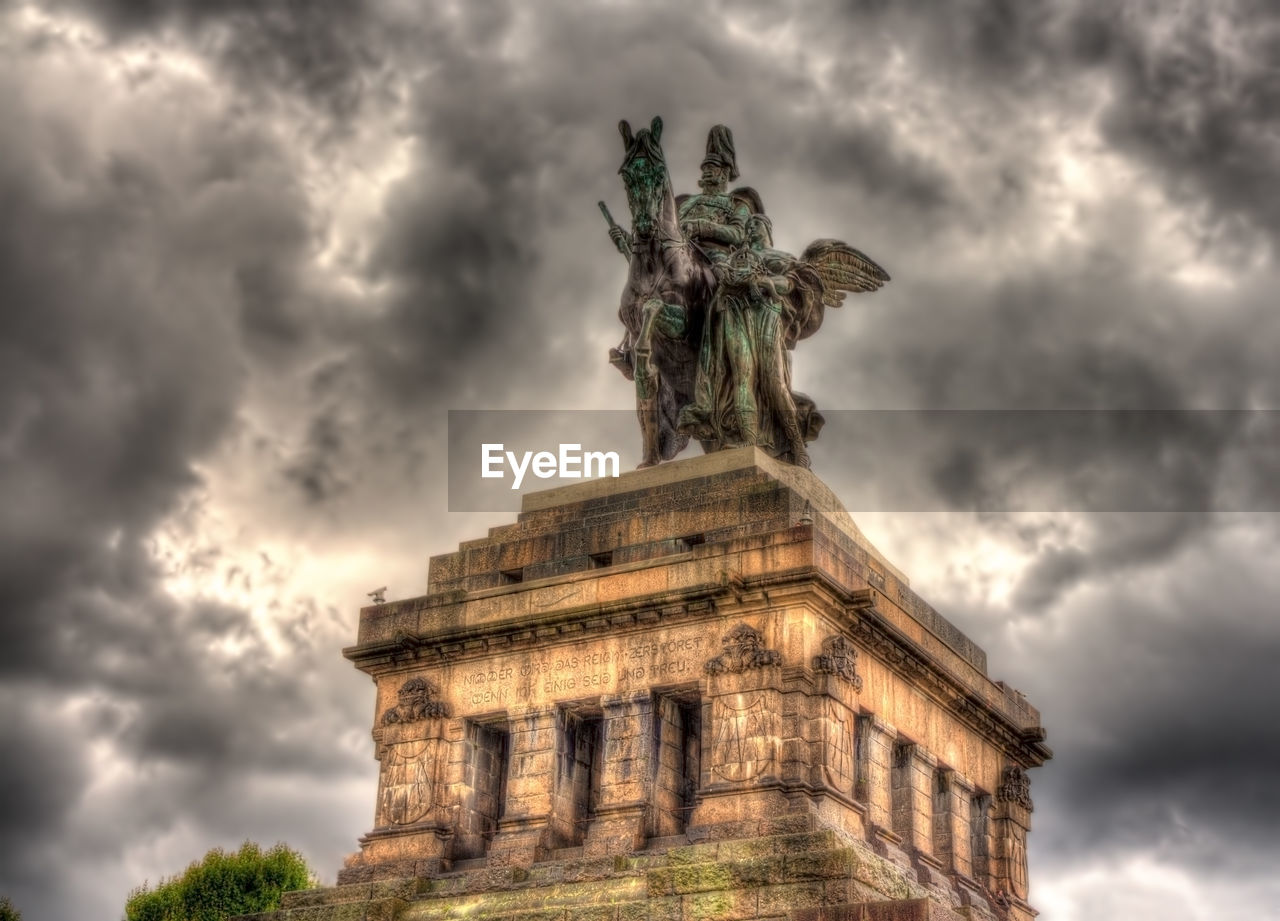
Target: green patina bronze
{"type": "Point", "coordinates": [712, 311]}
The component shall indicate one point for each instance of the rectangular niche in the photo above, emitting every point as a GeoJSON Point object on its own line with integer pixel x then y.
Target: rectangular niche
{"type": "Point", "coordinates": [579, 763]}
{"type": "Point", "coordinates": [678, 733]}
{"type": "Point", "coordinates": [980, 836]}
{"type": "Point", "coordinates": [484, 791]}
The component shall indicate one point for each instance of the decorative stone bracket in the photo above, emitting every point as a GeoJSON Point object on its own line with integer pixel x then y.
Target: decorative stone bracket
{"type": "Point", "coordinates": [742, 648]}
{"type": "Point", "coordinates": [839, 658]}
{"type": "Point", "coordinates": [417, 701]}
{"type": "Point", "coordinates": [1015, 787]}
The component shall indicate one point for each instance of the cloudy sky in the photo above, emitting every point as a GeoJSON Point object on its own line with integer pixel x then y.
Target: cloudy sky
{"type": "Point", "coordinates": [252, 253]}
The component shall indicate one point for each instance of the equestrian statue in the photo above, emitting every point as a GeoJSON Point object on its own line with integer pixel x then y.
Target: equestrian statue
{"type": "Point", "coordinates": [712, 311]}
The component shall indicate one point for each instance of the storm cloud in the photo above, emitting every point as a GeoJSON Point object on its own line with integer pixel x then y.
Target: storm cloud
{"type": "Point", "coordinates": [252, 254]}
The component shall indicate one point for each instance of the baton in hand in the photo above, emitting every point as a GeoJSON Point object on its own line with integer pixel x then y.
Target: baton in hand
{"type": "Point", "coordinates": [604, 209]}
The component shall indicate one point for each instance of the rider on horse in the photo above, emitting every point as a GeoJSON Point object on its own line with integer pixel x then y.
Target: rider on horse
{"type": "Point", "coordinates": [714, 220]}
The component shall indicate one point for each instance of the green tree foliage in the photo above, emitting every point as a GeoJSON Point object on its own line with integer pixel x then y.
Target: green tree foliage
{"type": "Point", "coordinates": [222, 885]}
{"type": "Point", "coordinates": [7, 911]}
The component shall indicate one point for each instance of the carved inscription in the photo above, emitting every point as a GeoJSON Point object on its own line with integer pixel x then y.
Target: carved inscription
{"type": "Point", "coordinates": [662, 660]}
{"type": "Point", "coordinates": [585, 668]}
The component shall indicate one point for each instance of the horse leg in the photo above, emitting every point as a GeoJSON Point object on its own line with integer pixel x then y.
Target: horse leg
{"type": "Point", "coordinates": [621, 357]}
{"type": "Point", "coordinates": [646, 376]}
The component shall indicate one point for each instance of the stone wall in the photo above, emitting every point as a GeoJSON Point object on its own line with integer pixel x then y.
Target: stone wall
{"type": "Point", "coordinates": [665, 661]}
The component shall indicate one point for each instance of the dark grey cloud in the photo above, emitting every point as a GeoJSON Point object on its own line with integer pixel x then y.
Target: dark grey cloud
{"type": "Point", "coordinates": [170, 329]}
{"type": "Point", "coordinates": [1196, 99]}
{"type": "Point", "coordinates": [39, 789]}
{"type": "Point", "coordinates": [141, 275]}
{"type": "Point", "coordinates": [1167, 725]}
{"type": "Point", "coordinates": [317, 472]}
{"type": "Point", "coordinates": [324, 52]}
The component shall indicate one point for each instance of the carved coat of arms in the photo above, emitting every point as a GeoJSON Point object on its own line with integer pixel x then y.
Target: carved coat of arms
{"type": "Point", "coordinates": [837, 744]}
{"type": "Point", "coordinates": [408, 781]}
{"type": "Point", "coordinates": [743, 744]}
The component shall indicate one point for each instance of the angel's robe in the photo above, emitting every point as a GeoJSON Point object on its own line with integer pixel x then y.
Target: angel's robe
{"type": "Point", "coordinates": [742, 392]}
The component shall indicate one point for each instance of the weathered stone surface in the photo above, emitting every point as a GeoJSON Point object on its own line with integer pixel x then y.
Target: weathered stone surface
{"type": "Point", "coordinates": [906, 910]}
{"type": "Point", "coordinates": [694, 692]}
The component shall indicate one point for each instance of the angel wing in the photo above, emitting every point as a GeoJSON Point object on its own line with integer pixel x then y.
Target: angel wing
{"type": "Point", "coordinates": [822, 276]}
{"type": "Point", "coordinates": [842, 269]}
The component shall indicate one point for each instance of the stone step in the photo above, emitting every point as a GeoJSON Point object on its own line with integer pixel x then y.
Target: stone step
{"type": "Point", "coordinates": [675, 870]}
{"type": "Point", "coordinates": [809, 866]}
{"type": "Point", "coordinates": [355, 892]}
{"type": "Point", "coordinates": [904, 910]}
{"type": "Point", "coordinates": [768, 879]}
{"type": "Point", "coordinates": [665, 844]}
{"type": "Point", "coordinates": [565, 853]}
{"type": "Point", "coordinates": [751, 848]}
{"type": "Point", "coordinates": [533, 894]}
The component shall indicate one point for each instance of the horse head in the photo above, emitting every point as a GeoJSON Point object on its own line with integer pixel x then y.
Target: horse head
{"type": "Point", "coordinates": [645, 176]}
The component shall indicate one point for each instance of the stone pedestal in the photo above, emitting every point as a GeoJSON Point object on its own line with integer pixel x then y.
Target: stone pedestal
{"type": "Point", "coordinates": [699, 685]}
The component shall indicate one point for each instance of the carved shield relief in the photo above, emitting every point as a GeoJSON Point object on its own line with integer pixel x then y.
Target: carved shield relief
{"type": "Point", "coordinates": [1015, 849]}
{"type": "Point", "coordinates": [408, 789]}
{"type": "Point", "coordinates": [742, 746]}
{"type": "Point", "coordinates": [837, 748]}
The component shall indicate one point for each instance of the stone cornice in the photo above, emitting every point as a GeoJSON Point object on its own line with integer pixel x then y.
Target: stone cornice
{"type": "Point", "coordinates": [730, 596]}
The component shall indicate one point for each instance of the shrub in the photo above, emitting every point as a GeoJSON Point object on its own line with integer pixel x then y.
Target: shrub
{"type": "Point", "coordinates": [223, 885]}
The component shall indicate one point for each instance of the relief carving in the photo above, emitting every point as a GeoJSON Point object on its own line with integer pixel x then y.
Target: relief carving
{"type": "Point", "coordinates": [837, 743]}
{"type": "Point", "coordinates": [1015, 787]}
{"type": "Point", "coordinates": [408, 788]}
{"type": "Point", "coordinates": [839, 657]}
{"type": "Point", "coordinates": [1015, 845]}
{"type": "Point", "coordinates": [742, 746]}
{"type": "Point", "coordinates": [418, 701]}
{"type": "Point", "coordinates": [742, 649]}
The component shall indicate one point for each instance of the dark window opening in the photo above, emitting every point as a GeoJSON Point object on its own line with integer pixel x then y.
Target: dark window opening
{"type": "Point", "coordinates": [691, 541]}
{"type": "Point", "coordinates": [579, 766]}
{"type": "Point", "coordinates": [900, 790]}
{"type": "Point", "coordinates": [942, 848]}
{"type": "Point", "coordinates": [980, 837]}
{"type": "Point", "coordinates": [601, 560]}
{"type": "Point", "coordinates": [485, 788]}
{"type": "Point", "coordinates": [511, 576]}
{"type": "Point", "coordinates": [678, 733]}
{"type": "Point", "coordinates": [861, 758]}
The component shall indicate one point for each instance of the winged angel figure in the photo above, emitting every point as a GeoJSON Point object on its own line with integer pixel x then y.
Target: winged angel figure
{"type": "Point", "coordinates": [713, 311]}
{"type": "Point", "coordinates": [765, 302]}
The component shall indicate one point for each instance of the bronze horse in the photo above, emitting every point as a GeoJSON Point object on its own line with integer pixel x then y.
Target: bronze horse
{"type": "Point", "coordinates": [664, 303]}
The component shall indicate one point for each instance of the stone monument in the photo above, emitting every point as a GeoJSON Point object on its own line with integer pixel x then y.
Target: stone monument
{"type": "Point", "coordinates": [694, 692]}
{"type": "Point", "coordinates": [712, 310]}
